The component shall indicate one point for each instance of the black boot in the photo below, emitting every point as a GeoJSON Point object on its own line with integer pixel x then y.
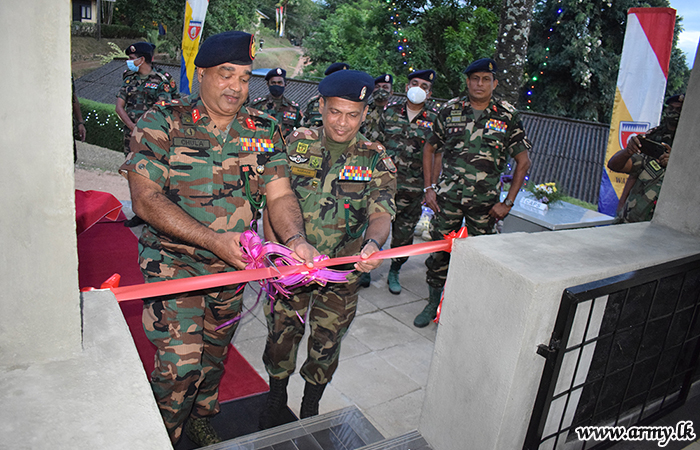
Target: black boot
{"type": "Point", "coordinates": [312, 395]}
{"type": "Point", "coordinates": [275, 404]}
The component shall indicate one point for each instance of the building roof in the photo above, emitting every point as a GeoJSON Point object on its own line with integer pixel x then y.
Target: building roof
{"type": "Point", "coordinates": [571, 152]}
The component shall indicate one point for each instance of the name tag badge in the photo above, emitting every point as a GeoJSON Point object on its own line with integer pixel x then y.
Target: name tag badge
{"type": "Point", "coordinates": [456, 112]}
{"type": "Point", "coordinates": [191, 143]}
{"type": "Point", "coordinates": [257, 145]}
{"type": "Point", "coordinates": [355, 173]}
{"type": "Point", "coordinates": [304, 172]}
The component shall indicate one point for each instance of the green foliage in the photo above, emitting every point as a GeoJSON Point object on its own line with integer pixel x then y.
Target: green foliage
{"type": "Point", "coordinates": [115, 53]}
{"type": "Point", "coordinates": [102, 125]}
{"type": "Point", "coordinates": [119, 32]}
{"type": "Point", "coordinates": [444, 35]}
{"type": "Point", "coordinates": [572, 69]}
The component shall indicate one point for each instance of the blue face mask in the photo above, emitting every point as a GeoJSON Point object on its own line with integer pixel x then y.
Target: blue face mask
{"type": "Point", "coordinates": [130, 64]}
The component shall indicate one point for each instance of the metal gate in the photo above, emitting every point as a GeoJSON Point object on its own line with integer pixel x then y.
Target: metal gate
{"type": "Point", "coordinates": [623, 352]}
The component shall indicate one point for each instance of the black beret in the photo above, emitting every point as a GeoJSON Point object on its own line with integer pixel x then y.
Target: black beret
{"type": "Point", "coordinates": [349, 84]}
{"type": "Point", "coordinates": [482, 65]}
{"type": "Point", "coordinates": [427, 75]}
{"type": "Point", "coordinates": [386, 78]}
{"type": "Point", "coordinates": [140, 48]}
{"type": "Point", "coordinates": [278, 72]}
{"type": "Point", "coordinates": [235, 47]}
{"type": "Point", "coordinates": [336, 67]}
{"type": "Point", "coordinates": [675, 98]}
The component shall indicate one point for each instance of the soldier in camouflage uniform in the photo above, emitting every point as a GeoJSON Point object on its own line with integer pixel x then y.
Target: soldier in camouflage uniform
{"type": "Point", "coordinates": [346, 188]}
{"type": "Point", "coordinates": [143, 85]}
{"type": "Point", "coordinates": [312, 113]}
{"type": "Point", "coordinates": [275, 104]}
{"type": "Point", "coordinates": [646, 174]}
{"type": "Point", "coordinates": [199, 171]}
{"type": "Point", "coordinates": [404, 128]}
{"type": "Point", "coordinates": [477, 136]}
{"type": "Point", "coordinates": [383, 88]}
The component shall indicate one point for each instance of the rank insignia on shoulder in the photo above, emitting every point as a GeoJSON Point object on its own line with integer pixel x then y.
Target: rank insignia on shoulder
{"type": "Point", "coordinates": [355, 173]}
{"type": "Point", "coordinates": [162, 103]}
{"type": "Point", "coordinates": [257, 145]}
{"type": "Point", "coordinates": [195, 115]}
{"type": "Point", "coordinates": [389, 163]}
{"type": "Point", "coordinates": [250, 124]}
{"type": "Point", "coordinates": [298, 159]}
{"type": "Point", "coordinates": [497, 125]}
{"type": "Point", "coordinates": [175, 102]}
{"type": "Point", "coordinates": [301, 147]}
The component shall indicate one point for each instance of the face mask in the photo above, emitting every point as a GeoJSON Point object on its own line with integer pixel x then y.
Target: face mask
{"type": "Point", "coordinates": [130, 64]}
{"type": "Point", "coordinates": [416, 95]}
{"type": "Point", "coordinates": [276, 90]}
{"type": "Point", "coordinates": [381, 95]}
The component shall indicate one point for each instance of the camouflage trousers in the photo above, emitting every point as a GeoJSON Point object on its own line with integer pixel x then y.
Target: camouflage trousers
{"type": "Point", "coordinates": [189, 360]}
{"type": "Point", "coordinates": [408, 212]}
{"type": "Point", "coordinates": [127, 140]}
{"type": "Point", "coordinates": [449, 218]}
{"type": "Point", "coordinates": [330, 309]}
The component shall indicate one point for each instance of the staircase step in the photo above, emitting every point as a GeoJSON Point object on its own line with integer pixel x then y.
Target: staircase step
{"type": "Point", "coordinates": [409, 441]}
{"type": "Point", "coordinates": [345, 429]}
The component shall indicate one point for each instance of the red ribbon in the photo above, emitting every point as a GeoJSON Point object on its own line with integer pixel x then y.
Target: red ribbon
{"type": "Point", "coordinates": [170, 287]}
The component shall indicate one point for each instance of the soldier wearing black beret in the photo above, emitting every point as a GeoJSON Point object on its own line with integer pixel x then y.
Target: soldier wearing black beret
{"type": "Point", "coordinates": [287, 112]}
{"type": "Point", "coordinates": [312, 115]}
{"type": "Point", "coordinates": [477, 136]}
{"type": "Point", "coordinates": [142, 86]}
{"type": "Point", "coordinates": [345, 186]}
{"type": "Point", "coordinates": [200, 170]}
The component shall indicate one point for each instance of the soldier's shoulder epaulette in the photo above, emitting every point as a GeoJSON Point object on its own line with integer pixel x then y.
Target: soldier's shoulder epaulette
{"type": "Point", "coordinates": [376, 146]}
{"type": "Point", "coordinates": [452, 101]}
{"type": "Point", "coordinates": [303, 133]}
{"type": "Point", "coordinates": [127, 74]}
{"type": "Point", "coordinates": [260, 114]}
{"type": "Point", "coordinates": [257, 100]}
{"type": "Point", "coordinates": [392, 104]}
{"type": "Point", "coordinates": [176, 103]}
{"type": "Point", "coordinates": [507, 106]}
{"type": "Point", "coordinates": [293, 103]}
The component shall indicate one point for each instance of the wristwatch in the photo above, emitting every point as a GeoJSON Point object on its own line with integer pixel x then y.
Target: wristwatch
{"type": "Point", "coordinates": [508, 202]}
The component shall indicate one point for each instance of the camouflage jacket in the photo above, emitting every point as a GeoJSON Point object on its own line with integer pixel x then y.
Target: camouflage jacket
{"type": "Point", "coordinates": [404, 140]}
{"type": "Point", "coordinates": [337, 197]}
{"type": "Point", "coordinates": [286, 112]}
{"type": "Point", "coordinates": [641, 202]}
{"type": "Point", "coordinates": [476, 152]}
{"type": "Point", "coordinates": [141, 93]}
{"type": "Point", "coordinates": [217, 178]}
{"type": "Point", "coordinates": [370, 127]}
{"type": "Point", "coordinates": [312, 113]}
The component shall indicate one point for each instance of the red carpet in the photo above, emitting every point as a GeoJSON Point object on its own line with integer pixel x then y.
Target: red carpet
{"type": "Point", "coordinates": [105, 248]}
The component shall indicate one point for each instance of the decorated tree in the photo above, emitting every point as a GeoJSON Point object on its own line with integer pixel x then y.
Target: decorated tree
{"type": "Point", "coordinates": [574, 56]}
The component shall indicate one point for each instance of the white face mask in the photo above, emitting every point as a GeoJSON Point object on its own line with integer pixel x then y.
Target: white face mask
{"type": "Point", "coordinates": [416, 95]}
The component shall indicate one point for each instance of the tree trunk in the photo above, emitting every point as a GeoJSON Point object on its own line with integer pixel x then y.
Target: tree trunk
{"type": "Point", "coordinates": [511, 49]}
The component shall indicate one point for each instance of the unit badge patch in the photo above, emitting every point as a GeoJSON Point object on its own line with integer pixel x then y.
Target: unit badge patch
{"type": "Point", "coordinates": [301, 147]}
{"type": "Point", "coordinates": [316, 162]}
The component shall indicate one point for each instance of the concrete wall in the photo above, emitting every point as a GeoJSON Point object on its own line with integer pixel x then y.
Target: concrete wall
{"type": "Point", "coordinates": [678, 205]}
{"type": "Point", "coordinates": [502, 296]}
{"type": "Point", "coordinates": [39, 301]}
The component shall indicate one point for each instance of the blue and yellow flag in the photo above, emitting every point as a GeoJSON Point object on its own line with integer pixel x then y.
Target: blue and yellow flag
{"type": "Point", "coordinates": [195, 12]}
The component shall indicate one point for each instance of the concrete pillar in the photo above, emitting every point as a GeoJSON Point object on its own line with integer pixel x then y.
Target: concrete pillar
{"type": "Point", "coordinates": [503, 293]}
{"type": "Point", "coordinates": [39, 301]}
